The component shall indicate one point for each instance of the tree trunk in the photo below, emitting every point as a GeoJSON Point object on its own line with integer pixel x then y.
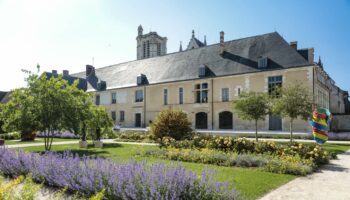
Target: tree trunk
{"type": "Point", "coordinates": [51, 139]}
{"type": "Point", "coordinates": [83, 137]}
{"type": "Point", "coordinates": [291, 130]}
{"type": "Point", "coordinates": [46, 140]}
{"type": "Point", "coordinates": [256, 130]}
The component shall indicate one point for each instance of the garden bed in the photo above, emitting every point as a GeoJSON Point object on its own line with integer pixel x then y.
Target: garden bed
{"type": "Point", "coordinates": [91, 175]}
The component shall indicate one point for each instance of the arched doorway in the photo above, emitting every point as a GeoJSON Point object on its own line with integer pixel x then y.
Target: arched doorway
{"type": "Point", "coordinates": [201, 120]}
{"type": "Point", "coordinates": [225, 120]}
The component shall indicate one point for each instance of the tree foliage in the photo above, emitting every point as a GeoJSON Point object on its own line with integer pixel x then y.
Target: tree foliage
{"type": "Point", "coordinates": [171, 123]}
{"type": "Point", "coordinates": [19, 114]}
{"type": "Point", "coordinates": [296, 101]}
{"type": "Point", "coordinates": [252, 106]}
{"type": "Point", "coordinates": [51, 104]}
{"type": "Point", "coordinates": [100, 121]}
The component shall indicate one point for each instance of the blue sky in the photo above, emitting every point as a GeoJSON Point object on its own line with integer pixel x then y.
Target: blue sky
{"type": "Point", "coordinates": [68, 34]}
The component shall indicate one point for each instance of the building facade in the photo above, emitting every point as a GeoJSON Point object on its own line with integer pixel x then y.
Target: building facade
{"type": "Point", "coordinates": [204, 81]}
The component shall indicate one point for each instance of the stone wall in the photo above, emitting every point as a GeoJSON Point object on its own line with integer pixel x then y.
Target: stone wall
{"type": "Point", "coordinates": [340, 123]}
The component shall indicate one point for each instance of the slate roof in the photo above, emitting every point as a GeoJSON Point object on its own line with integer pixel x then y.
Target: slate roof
{"type": "Point", "coordinates": [82, 81]}
{"type": "Point", "coordinates": [194, 43]}
{"type": "Point", "coordinates": [4, 97]}
{"type": "Point", "coordinates": [240, 56]}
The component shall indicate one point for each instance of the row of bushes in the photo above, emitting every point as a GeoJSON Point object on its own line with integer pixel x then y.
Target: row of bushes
{"type": "Point", "coordinates": [133, 180]}
{"type": "Point", "coordinates": [135, 136]}
{"type": "Point", "coordinates": [242, 145]}
{"type": "Point", "coordinates": [11, 136]}
{"type": "Point", "coordinates": [287, 164]}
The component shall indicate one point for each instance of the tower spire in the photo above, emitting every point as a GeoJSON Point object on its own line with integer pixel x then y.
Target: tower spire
{"type": "Point", "coordinates": [180, 46]}
{"type": "Point", "coordinates": [192, 33]}
{"type": "Point", "coordinates": [205, 40]}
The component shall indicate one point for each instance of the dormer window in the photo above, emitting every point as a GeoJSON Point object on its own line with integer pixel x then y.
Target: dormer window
{"type": "Point", "coordinates": [202, 71]}
{"type": "Point", "coordinates": [101, 85]}
{"type": "Point", "coordinates": [262, 62]}
{"type": "Point", "coordinates": [141, 79]}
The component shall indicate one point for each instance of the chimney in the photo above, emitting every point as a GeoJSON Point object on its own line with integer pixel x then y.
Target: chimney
{"type": "Point", "coordinates": [90, 70]}
{"type": "Point", "coordinates": [65, 73]}
{"type": "Point", "coordinates": [294, 45]}
{"type": "Point", "coordinates": [54, 73]}
{"type": "Point", "coordinates": [222, 42]}
{"type": "Point", "coordinates": [311, 55]}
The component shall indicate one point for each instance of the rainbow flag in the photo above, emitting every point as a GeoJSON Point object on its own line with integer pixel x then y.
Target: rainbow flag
{"type": "Point", "coordinates": [320, 122]}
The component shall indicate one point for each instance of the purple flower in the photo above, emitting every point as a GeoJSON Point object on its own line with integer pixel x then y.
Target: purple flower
{"type": "Point", "coordinates": [133, 180]}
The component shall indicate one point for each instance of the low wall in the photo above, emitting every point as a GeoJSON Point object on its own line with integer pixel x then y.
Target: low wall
{"type": "Point", "coordinates": [340, 123]}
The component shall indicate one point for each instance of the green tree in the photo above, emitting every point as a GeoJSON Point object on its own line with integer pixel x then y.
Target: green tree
{"type": "Point", "coordinates": [171, 123]}
{"type": "Point", "coordinates": [295, 101]}
{"type": "Point", "coordinates": [55, 102]}
{"type": "Point", "coordinates": [19, 114]}
{"type": "Point", "coordinates": [100, 122]}
{"type": "Point", "coordinates": [82, 108]}
{"type": "Point", "coordinates": [252, 106]}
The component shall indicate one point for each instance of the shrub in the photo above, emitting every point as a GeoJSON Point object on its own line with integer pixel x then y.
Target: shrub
{"type": "Point", "coordinates": [312, 155]}
{"type": "Point", "coordinates": [135, 136]}
{"type": "Point", "coordinates": [11, 136]}
{"type": "Point", "coordinates": [133, 180]}
{"type": "Point", "coordinates": [172, 123]}
{"type": "Point", "coordinates": [208, 156]}
{"type": "Point", "coordinates": [288, 165]}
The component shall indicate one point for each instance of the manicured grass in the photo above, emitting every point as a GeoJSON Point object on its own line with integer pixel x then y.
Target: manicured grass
{"type": "Point", "coordinates": [37, 140]}
{"type": "Point", "coordinates": [251, 183]}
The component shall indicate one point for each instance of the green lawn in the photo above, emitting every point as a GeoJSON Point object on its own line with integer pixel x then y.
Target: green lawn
{"type": "Point", "coordinates": [37, 140]}
{"type": "Point", "coordinates": [251, 183]}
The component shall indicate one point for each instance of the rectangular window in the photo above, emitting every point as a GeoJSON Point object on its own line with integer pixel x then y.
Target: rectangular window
{"type": "Point", "coordinates": [202, 71]}
{"type": "Point", "coordinates": [181, 95]}
{"type": "Point", "coordinates": [97, 100]}
{"type": "Point", "coordinates": [239, 91]}
{"type": "Point", "coordinates": [144, 49]}
{"type": "Point", "coordinates": [274, 85]}
{"type": "Point", "coordinates": [158, 49]}
{"type": "Point", "coordinates": [224, 94]}
{"type": "Point", "coordinates": [139, 96]}
{"type": "Point", "coordinates": [121, 116]}
{"type": "Point", "coordinates": [148, 52]}
{"type": "Point", "coordinates": [262, 62]}
{"type": "Point", "coordinates": [114, 98]}
{"type": "Point", "coordinates": [114, 115]}
{"type": "Point", "coordinates": [165, 97]}
{"type": "Point", "coordinates": [201, 92]}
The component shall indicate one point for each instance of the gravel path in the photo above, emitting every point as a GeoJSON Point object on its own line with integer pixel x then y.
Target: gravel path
{"type": "Point", "coordinates": [331, 182]}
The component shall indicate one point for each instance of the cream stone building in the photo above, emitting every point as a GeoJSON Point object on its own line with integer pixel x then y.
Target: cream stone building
{"type": "Point", "coordinates": [203, 80]}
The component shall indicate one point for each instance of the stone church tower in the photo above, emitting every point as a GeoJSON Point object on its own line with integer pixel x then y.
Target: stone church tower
{"type": "Point", "coordinates": [150, 44]}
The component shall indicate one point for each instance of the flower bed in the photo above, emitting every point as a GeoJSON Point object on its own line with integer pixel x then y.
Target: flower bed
{"type": "Point", "coordinates": [135, 136]}
{"type": "Point", "coordinates": [58, 134]}
{"type": "Point", "coordinates": [286, 164]}
{"type": "Point", "coordinates": [90, 175]}
{"type": "Point", "coordinates": [313, 153]}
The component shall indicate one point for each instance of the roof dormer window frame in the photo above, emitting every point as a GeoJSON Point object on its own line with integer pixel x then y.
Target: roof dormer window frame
{"type": "Point", "coordinates": [263, 62]}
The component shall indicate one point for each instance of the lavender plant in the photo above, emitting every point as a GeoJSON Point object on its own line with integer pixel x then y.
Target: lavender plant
{"type": "Point", "coordinates": [133, 180]}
